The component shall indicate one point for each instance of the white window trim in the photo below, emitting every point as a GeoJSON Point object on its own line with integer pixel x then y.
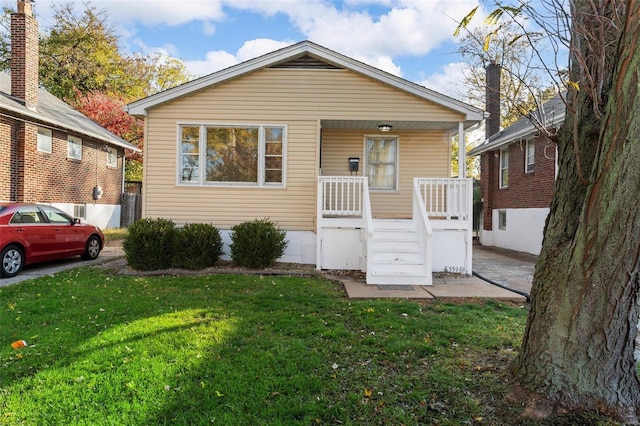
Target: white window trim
{"type": "Point", "coordinates": [202, 158]}
{"type": "Point", "coordinates": [76, 140]}
{"type": "Point", "coordinates": [49, 136]}
{"type": "Point", "coordinates": [529, 142]}
{"type": "Point", "coordinates": [504, 152]}
{"type": "Point", "coordinates": [115, 152]}
{"type": "Point", "coordinates": [364, 155]}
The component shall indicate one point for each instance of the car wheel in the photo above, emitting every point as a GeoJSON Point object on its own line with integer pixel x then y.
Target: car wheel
{"type": "Point", "coordinates": [12, 261]}
{"type": "Point", "coordinates": [93, 248]}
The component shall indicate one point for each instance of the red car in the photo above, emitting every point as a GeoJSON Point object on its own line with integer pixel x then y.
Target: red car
{"type": "Point", "coordinates": [31, 233]}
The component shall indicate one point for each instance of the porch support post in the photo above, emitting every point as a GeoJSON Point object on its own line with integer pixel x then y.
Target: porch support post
{"type": "Point", "coordinates": [462, 152]}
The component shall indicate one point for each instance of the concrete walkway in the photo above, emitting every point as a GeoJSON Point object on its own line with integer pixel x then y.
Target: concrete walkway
{"type": "Point", "coordinates": [508, 269]}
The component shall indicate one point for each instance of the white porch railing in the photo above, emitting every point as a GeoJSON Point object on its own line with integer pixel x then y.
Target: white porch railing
{"type": "Point", "coordinates": [446, 198]}
{"type": "Point", "coordinates": [441, 215]}
{"type": "Point", "coordinates": [424, 230]}
{"type": "Point", "coordinates": [342, 196]}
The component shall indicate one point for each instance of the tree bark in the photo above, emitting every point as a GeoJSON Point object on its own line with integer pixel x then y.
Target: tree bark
{"type": "Point", "coordinates": [578, 349]}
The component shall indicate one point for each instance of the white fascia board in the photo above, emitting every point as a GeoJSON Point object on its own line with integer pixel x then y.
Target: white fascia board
{"type": "Point", "coordinates": [140, 107]}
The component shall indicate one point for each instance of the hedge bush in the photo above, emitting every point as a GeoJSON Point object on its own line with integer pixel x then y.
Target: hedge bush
{"type": "Point", "coordinates": [257, 244]}
{"type": "Point", "coordinates": [149, 244]}
{"type": "Point", "coordinates": [197, 246]}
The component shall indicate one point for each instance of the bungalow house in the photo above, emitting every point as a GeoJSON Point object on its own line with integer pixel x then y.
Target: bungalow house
{"type": "Point", "coordinates": [518, 170]}
{"type": "Point", "coordinates": [351, 161]}
{"type": "Point", "coordinates": [49, 152]}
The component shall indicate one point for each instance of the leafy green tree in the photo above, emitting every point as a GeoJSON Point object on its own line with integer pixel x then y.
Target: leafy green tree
{"type": "Point", "coordinates": [5, 39]}
{"type": "Point", "coordinates": [503, 44]}
{"type": "Point", "coordinates": [472, 162]}
{"type": "Point", "coordinates": [80, 54]}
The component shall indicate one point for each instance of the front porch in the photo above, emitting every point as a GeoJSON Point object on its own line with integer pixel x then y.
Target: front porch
{"type": "Point", "coordinates": [435, 237]}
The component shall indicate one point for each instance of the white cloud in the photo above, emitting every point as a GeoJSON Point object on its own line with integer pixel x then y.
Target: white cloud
{"type": "Point", "coordinates": [162, 12]}
{"type": "Point", "coordinates": [217, 60]}
{"type": "Point", "coordinates": [214, 61]}
{"type": "Point", "coordinates": [407, 28]}
{"type": "Point", "coordinates": [376, 32]}
{"type": "Point", "coordinates": [449, 81]}
{"type": "Point", "coordinates": [208, 28]}
{"type": "Point", "coordinates": [254, 48]}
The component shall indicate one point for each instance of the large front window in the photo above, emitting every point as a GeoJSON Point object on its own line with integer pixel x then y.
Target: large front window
{"type": "Point", "coordinates": [382, 162]}
{"type": "Point", "coordinates": [251, 155]}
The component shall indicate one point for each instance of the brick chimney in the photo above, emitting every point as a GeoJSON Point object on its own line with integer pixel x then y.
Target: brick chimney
{"type": "Point", "coordinates": [24, 54]}
{"type": "Point", "coordinates": [492, 125]}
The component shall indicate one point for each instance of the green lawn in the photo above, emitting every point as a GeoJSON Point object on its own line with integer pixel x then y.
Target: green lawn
{"type": "Point", "coordinates": [246, 350]}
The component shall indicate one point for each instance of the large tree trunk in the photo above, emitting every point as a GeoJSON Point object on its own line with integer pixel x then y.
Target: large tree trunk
{"type": "Point", "coordinates": [577, 353]}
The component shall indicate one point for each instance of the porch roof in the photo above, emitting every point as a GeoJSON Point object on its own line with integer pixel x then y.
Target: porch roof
{"type": "Point", "coordinates": [296, 54]}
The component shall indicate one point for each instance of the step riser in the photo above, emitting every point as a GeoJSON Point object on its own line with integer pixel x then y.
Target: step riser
{"type": "Point", "coordinates": [395, 247]}
{"type": "Point", "coordinates": [397, 258]}
{"type": "Point", "coordinates": [400, 270]}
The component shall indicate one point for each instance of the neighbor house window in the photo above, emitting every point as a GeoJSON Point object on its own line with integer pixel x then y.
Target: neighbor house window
{"type": "Point", "coordinates": [504, 167]}
{"type": "Point", "coordinates": [45, 140]}
{"type": "Point", "coordinates": [112, 157]}
{"type": "Point", "coordinates": [530, 157]}
{"type": "Point", "coordinates": [382, 162]}
{"type": "Point", "coordinates": [250, 155]}
{"type": "Point", "coordinates": [74, 148]}
{"type": "Point", "coordinates": [502, 220]}
{"type": "Point", "coordinates": [80, 210]}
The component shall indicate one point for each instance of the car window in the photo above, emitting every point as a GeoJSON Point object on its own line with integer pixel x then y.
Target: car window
{"type": "Point", "coordinates": [56, 216]}
{"type": "Point", "coordinates": [27, 215]}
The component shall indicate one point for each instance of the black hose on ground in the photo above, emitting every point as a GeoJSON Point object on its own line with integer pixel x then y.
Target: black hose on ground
{"type": "Point", "coordinates": [521, 293]}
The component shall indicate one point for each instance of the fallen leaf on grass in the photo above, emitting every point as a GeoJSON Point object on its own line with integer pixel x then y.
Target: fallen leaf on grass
{"type": "Point", "coordinates": [368, 393]}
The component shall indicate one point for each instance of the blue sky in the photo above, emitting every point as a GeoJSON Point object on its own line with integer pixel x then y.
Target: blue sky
{"type": "Point", "coordinates": [409, 38]}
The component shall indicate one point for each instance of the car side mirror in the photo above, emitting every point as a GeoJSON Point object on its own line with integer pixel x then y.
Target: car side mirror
{"type": "Point", "coordinates": [76, 220]}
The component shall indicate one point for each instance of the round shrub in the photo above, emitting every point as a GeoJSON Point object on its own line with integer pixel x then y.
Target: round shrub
{"type": "Point", "coordinates": [257, 244]}
{"type": "Point", "coordinates": [149, 244]}
{"type": "Point", "coordinates": [196, 246]}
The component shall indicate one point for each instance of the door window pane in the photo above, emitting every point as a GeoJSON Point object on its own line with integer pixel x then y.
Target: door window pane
{"type": "Point", "coordinates": [382, 160]}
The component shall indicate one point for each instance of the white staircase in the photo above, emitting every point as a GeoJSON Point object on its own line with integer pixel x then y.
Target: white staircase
{"type": "Point", "coordinates": [396, 256]}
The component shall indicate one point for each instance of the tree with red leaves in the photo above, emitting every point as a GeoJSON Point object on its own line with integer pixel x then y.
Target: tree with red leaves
{"type": "Point", "coordinates": [108, 111]}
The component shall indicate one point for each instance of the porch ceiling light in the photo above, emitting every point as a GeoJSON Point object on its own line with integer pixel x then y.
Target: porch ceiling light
{"type": "Point", "coordinates": [385, 127]}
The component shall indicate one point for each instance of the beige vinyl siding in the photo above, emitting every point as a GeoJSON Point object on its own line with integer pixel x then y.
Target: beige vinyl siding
{"type": "Point", "coordinates": [295, 98]}
{"type": "Point", "coordinates": [421, 154]}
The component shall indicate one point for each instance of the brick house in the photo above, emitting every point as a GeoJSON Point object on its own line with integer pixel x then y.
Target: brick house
{"type": "Point", "coordinates": [518, 171]}
{"type": "Point", "coordinates": [49, 152]}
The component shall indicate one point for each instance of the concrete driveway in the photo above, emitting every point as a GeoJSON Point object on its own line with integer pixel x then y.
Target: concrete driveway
{"type": "Point", "coordinates": [111, 251]}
